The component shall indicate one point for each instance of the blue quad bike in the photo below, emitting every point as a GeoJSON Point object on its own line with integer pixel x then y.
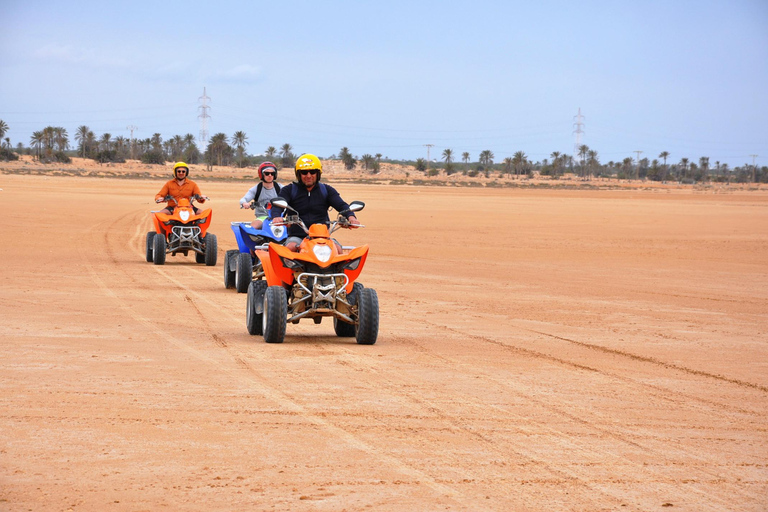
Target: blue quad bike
{"type": "Point", "coordinates": [241, 266]}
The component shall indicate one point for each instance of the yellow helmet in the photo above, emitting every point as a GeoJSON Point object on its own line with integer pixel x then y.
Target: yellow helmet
{"type": "Point", "coordinates": [308, 162]}
{"type": "Point", "coordinates": [180, 165]}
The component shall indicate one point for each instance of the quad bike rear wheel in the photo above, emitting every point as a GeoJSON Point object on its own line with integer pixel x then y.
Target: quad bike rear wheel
{"type": "Point", "coordinates": [243, 272]}
{"type": "Point", "coordinates": [150, 245]}
{"type": "Point", "coordinates": [275, 314]}
{"type": "Point", "coordinates": [255, 307]}
{"type": "Point", "coordinates": [229, 273]}
{"type": "Point", "coordinates": [368, 312]}
{"type": "Point", "coordinates": [158, 249]}
{"type": "Point", "coordinates": [211, 249]}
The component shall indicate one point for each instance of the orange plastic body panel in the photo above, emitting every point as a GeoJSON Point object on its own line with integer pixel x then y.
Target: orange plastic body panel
{"type": "Point", "coordinates": [184, 209]}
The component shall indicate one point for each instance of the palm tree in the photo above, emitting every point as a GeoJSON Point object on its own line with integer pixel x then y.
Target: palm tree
{"type": "Point", "coordinates": [520, 160]}
{"type": "Point", "coordinates": [592, 162]}
{"type": "Point", "coordinates": [626, 166]}
{"type": "Point", "coordinates": [583, 150]}
{"type": "Point", "coordinates": [346, 158]}
{"type": "Point", "coordinates": [36, 141]}
{"type": "Point", "coordinates": [704, 164]}
{"type": "Point", "coordinates": [48, 141]}
{"type": "Point", "coordinates": [684, 165]}
{"type": "Point", "coordinates": [120, 146]}
{"type": "Point", "coordinates": [664, 155]}
{"type": "Point", "coordinates": [240, 140]}
{"type": "Point", "coordinates": [448, 155]}
{"type": "Point", "coordinates": [105, 144]}
{"type": "Point", "coordinates": [556, 156]}
{"type": "Point", "coordinates": [60, 138]}
{"type": "Point", "coordinates": [219, 147]}
{"type": "Point", "coordinates": [508, 165]}
{"type": "Point", "coordinates": [81, 136]}
{"type": "Point", "coordinates": [157, 142]}
{"type": "Point", "coordinates": [465, 157]}
{"type": "Point", "coordinates": [368, 161]}
{"type": "Point", "coordinates": [3, 128]}
{"type": "Point", "coordinates": [270, 152]}
{"type": "Point", "coordinates": [486, 157]}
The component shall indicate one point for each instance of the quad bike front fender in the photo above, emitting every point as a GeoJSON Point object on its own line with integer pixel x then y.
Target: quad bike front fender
{"type": "Point", "coordinates": [206, 214]}
{"type": "Point", "coordinates": [358, 252]}
{"type": "Point", "coordinates": [242, 246]}
{"type": "Point", "coordinates": [274, 276]}
{"type": "Point", "coordinates": [283, 276]}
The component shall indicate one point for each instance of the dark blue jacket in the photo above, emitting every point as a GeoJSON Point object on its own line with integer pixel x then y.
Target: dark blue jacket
{"type": "Point", "coordinates": [312, 205]}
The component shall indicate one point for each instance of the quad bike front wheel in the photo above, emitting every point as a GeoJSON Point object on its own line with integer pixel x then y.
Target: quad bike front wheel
{"type": "Point", "coordinates": [368, 312]}
{"type": "Point", "coordinates": [150, 245]}
{"type": "Point", "coordinates": [158, 249]}
{"type": "Point", "coordinates": [229, 273]}
{"type": "Point", "coordinates": [254, 312]}
{"type": "Point", "coordinates": [243, 272]}
{"type": "Point", "coordinates": [275, 314]}
{"type": "Point", "coordinates": [342, 328]}
{"type": "Point", "coordinates": [211, 249]}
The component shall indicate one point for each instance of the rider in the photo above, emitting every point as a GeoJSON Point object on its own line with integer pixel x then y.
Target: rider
{"type": "Point", "coordinates": [180, 187]}
{"type": "Point", "coordinates": [310, 199]}
{"type": "Point", "coordinates": [262, 193]}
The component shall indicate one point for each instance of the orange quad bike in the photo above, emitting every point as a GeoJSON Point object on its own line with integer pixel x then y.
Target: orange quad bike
{"type": "Point", "coordinates": [183, 231]}
{"type": "Point", "coordinates": [320, 280]}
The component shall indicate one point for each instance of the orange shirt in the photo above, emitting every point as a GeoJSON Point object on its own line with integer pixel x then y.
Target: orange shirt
{"type": "Point", "coordinates": [173, 189]}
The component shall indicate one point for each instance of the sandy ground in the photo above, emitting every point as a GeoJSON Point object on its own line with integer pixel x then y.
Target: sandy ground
{"type": "Point", "coordinates": [539, 350]}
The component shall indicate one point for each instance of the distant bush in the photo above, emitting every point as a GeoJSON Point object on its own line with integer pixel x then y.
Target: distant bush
{"type": "Point", "coordinates": [109, 156]}
{"type": "Point", "coordinates": [153, 157]}
{"type": "Point", "coordinates": [8, 155]}
{"type": "Point", "coordinates": [62, 157]}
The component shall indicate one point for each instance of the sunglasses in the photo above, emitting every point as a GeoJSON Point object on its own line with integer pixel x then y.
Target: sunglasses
{"type": "Point", "coordinates": [268, 173]}
{"type": "Point", "coordinates": [304, 172]}
{"type": "Point", "coordinates": [181, 171]}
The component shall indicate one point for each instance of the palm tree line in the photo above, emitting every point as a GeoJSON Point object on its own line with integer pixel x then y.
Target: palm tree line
{"type": "Point", "coordinates": [52, 144]}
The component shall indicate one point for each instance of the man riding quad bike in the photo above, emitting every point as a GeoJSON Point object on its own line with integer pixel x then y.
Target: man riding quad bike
{"type": "Point", "coordinates": [320, 280]}
{"type": "Point", "coordinates": [180, 227]}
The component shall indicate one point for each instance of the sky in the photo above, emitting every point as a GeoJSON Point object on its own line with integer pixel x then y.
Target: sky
{"type": "Point", "coordinates": [684, 76]}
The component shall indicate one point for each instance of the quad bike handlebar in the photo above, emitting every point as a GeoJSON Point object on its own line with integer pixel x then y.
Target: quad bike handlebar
{"type": "Point", "coordinates": [195, 197]}
{"type": "Point", "coordinates": [340, 222]}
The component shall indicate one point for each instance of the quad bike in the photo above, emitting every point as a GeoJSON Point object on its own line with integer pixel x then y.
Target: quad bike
{"type": "Point", "coordinates": [183, 231]}
{"type": "Point", "coordinates": [241, 266]}
{"type": "Point", "coordinates": [318, 281]}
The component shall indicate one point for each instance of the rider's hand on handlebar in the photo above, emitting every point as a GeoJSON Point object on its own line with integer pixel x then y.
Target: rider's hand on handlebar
{"type": "Point", "coordinates": [353, 222]}
{"type": "Point", "coordinates": [158, 201]}
{"type": "Point", "coordinates": [278, 221]}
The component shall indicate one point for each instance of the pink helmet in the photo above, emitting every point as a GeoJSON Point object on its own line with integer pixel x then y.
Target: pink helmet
{"type": "Point", "coordinates": [266, 165]}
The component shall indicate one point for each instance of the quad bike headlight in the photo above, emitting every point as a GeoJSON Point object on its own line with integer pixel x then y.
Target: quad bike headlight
{"type": "Point", "coordinates": [352, 265]}
{"type": "Point", "coordinates": [291, 264]}
{"type": "Point", "coordinates": [323, 252]}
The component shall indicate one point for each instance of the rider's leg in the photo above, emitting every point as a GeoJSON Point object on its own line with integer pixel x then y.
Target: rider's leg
{"type": "Point", "coordinates": [293, 243]}
{"type": "Point", "coordinates": [258, 222]}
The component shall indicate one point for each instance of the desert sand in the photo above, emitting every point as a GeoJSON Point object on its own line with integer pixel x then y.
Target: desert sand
{"type": "Point", "coordinates": [540, 349]}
